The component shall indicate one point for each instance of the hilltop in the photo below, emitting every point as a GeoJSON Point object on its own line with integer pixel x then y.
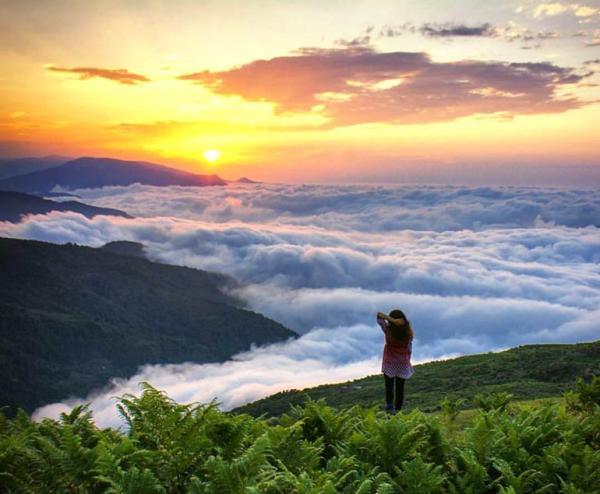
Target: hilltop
{"type": "Point", "coordinates": [125, 248]}
{"type": "Point", "coordinates": [73, 317]}
{"type": "Point", "coordinates": [90, 172]}
{"type": "Point", "coordinates": [14, 205]}
{"type": "Point", "coordinates": [527, 372]}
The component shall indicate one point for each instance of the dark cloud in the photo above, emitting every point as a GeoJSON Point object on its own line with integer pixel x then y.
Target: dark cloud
{"type": "Point", "coordinates": [457, 30]}
{"type": "Point", "coordinates": [122, 76]}
{"type": "Point", "coordinates": [449, 31]}
{"type": "Point", "coordinates": [358, 84]}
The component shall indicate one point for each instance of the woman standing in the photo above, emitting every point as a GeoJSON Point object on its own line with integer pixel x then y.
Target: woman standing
{"type": "Point", "coordinates": [395, 365]}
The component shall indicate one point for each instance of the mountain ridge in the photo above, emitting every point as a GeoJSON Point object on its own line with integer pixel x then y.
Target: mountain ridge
{"type": "Point", "coordinates": [15, 205]}
{"type": "Point", "coordinates": [93, 172]}
{"type": "Point", "coordinates": [11, 167]}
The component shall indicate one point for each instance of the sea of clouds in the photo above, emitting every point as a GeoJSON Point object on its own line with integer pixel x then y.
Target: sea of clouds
{"type": "Point", "coordinates": [475, 270]}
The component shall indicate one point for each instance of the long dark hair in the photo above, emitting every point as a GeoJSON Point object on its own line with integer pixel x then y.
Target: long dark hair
{"type": "Point", "coordinates": [400, 332]}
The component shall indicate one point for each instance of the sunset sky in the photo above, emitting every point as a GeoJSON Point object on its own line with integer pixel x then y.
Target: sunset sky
{"type": "Point", "coordinates": [305, 90]}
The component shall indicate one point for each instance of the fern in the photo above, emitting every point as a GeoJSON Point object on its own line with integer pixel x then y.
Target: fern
{"type": "Point", "coordinates": [172, 448]}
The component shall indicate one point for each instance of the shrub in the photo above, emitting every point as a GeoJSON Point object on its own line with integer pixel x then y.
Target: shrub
{"type": "Point", "coordinates": [451, 408]}
{"type": "Point", "coordinates": [585, 397]}
{"type": "Point", "coordinates": [174, 448]}
{"type": "Point", "coordinates": [493, 401]}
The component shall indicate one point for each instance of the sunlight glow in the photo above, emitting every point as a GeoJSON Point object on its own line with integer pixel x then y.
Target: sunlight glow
{"type": "Point", "coordinates": [212, 155]}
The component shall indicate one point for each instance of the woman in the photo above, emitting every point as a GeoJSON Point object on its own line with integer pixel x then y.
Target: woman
{"type": "Point", "coordinates": [395, 365]}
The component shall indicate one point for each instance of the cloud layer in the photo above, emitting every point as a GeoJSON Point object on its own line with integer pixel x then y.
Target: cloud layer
{"type": "Point", "coordinates": [475, 269]}
{"type": "Point", "coordinates": [361, 208]}
{"type": "Point", "coordinates": [357, 84]}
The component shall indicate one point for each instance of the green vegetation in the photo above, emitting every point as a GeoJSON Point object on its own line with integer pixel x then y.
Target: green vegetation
{"type": "Point", "coordinates": [527, 372]}
{"type": "Point", "coordinates": [73, 317]}
{"type": "Point", "coordinates": [172, 448]}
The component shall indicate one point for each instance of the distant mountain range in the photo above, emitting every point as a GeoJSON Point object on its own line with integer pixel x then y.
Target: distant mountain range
{"type": "Point", "coordinates": [14, 205]}
{"type": "Point", "coordinates": [100, 172]}
{"type": "Point", "coordinates": [73, 317]}
{"type": "Point", "coordinates": [11, 167]}
{"type": "Point", "coordinates": [244, 180]}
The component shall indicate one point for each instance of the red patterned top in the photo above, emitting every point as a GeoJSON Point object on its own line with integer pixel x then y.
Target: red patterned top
{"type": "Point", "coordinates": [396, 354]}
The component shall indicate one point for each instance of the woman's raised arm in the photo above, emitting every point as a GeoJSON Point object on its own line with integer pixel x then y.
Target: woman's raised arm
{"type": "Point", "coordinates": [398, 322]}
{"type": "Point", "coordinates": [381, 321]}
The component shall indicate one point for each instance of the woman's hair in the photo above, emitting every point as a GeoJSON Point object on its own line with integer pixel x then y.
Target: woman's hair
{"type": "Point", "coordinates": [401, 332]}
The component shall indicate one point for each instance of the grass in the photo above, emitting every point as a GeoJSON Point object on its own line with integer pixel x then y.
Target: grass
{"type": "Point", "coordinates": [529, 372]}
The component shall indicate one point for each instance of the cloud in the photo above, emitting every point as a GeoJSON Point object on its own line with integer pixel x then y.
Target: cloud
{"type": "Point", "coordinates": [511, 32]}
{"type": "Point", "coordinates": [361, 208]}
{"type": "Point", "coordinates": [557, 8]}
{"type": "Point", "coordinates": [550, 9]}
{"type": "Point", "coordinates": [457, 30]}
{"type": "Point", "coordinates": [357, 84]}
{"type": "Point", "coordinates": [475, 269]}
{"type": "Point", "coordinates": [514, 33]}
{"type": "Point", "coordinates": [593, 64]}
{"type": "Point", "coordinates": [122, 76]}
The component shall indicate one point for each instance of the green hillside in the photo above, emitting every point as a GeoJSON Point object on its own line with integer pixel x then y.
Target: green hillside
{"type": "Point", "coordinates": [527, 372]}
{"type": "Point", "coordinates": [73, 317]}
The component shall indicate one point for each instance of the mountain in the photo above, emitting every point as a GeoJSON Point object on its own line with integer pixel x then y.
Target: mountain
{"type": "Point", "coordinates": [13, 205]}
{"type": "Point", "coordinates": [73, 317]}
{"type": "Point", "coordinates": [11, 167]}
{"type": "Point", "coordinates": [84, 173]}
{"type": "Point", "coordinates": [125, 248]}
{"type": "Point", "coordinates": [245, 180]}
{"type": "Point", "coordinates": [528, 372]}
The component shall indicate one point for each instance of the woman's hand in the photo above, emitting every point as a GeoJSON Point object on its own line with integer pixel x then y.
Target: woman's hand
{"type": "Point", "coordinates": [385, 317]}
{"type": "Point", "coordinates": [397, 322]}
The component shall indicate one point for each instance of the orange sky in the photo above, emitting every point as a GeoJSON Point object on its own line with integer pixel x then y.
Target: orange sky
{"type": "Point", "coordinates": [303, 91]}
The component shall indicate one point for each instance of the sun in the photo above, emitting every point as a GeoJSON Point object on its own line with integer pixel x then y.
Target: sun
{"type": "Point", "coordinates": [211, 155]}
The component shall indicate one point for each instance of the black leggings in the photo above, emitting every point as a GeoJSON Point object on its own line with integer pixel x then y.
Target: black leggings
{"type": "Point", "coordinates": [389, 391]}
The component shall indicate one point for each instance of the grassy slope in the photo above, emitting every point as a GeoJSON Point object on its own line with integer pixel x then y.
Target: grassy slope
{"type": "Point", "coordinates": [528, 372]}
{"type": "Point", "coordinates": [73, 317]}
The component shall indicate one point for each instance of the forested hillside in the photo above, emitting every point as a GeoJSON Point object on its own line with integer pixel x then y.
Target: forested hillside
{"type": "Point", "coordinates": [527, 372]}
{"type": "Point", "coordinates": [72, 317]}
